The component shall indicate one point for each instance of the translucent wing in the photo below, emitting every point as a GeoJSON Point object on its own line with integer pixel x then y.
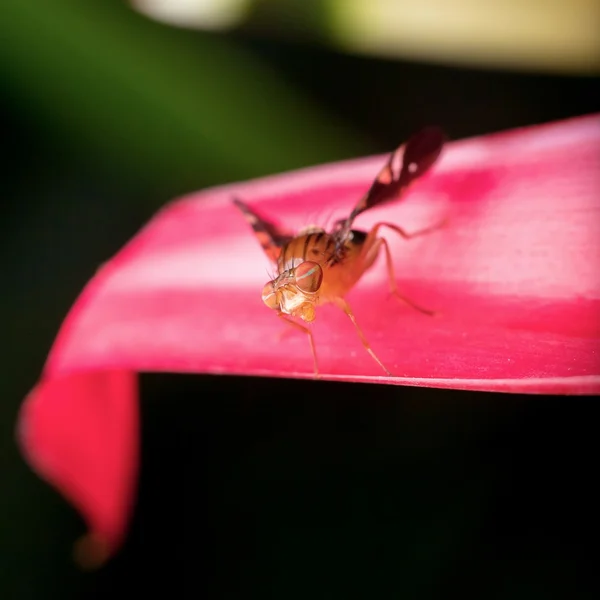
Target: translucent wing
{"type": "Point", "coordinates": [271, 237]}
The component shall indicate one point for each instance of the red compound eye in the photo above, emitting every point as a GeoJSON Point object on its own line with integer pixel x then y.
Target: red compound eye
{"type": "Point", "coordinates": [309, 276]}
{"type": "Point", "coordinates": [269, 296]}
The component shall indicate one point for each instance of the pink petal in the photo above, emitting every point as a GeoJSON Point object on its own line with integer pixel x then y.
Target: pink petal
{"type": "Point", "coordinates": [80, 432]}
{"type": "Point", "coordinates": [514, 275]}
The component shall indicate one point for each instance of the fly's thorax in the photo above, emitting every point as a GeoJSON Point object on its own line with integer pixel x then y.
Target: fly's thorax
{"type": "Point", "coordinates": [313, 245]}
{"type": "Point", "coordinates": [310, 229]}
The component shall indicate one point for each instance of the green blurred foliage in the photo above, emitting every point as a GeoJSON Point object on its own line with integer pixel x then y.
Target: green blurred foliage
{"type": "Point", "coordinates": [156, 103]}
{"type": "Point", "coordinates": [106, 115]}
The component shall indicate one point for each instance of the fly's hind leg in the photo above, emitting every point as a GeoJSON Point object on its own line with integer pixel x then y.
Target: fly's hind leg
{"type": "Point", "coordinates": [376, 243]}
{"type": "Point", "coordinates": [394, 285]}
{"type": "Point", "coordinates": [311, 340]}
{"type": "Point", "coordinates": [405, 234]}
{"type": "Point", "coordinates": [346, 308]}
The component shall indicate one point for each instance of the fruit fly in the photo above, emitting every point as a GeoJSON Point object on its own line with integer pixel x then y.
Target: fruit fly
{"type": "Point", "coordinates": [315, 267]}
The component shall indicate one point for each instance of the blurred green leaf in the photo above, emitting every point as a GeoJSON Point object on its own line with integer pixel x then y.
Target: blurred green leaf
{"type": "Point", "coordinates": [187, 109]}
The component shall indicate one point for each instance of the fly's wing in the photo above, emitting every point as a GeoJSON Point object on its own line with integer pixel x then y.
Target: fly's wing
{"type": "Point", "coordinates": [405, 164]}
{"type": "Point", "coordinates": [271, 238]}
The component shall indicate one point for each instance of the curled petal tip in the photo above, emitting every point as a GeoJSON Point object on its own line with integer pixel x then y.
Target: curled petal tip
{"type": "Point", "coordinates": [91, 551]}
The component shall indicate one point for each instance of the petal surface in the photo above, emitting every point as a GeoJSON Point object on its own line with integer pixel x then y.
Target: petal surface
{"type": "Point", "coordinates": [513, 276]}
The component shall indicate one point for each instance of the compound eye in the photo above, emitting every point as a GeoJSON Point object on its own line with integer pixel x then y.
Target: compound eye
{"type": "Point", "coordinates": [309, 277]}
{"type": "Point", "coordinates": [269, 296]}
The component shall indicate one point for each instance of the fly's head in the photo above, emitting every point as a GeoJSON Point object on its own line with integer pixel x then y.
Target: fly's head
{"type": "Point", "coordinates": [295, 292]}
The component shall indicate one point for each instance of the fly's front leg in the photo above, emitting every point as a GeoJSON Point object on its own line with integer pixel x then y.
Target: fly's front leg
{"type": "Point", "coordinates": [373, 245]}
{"type": "Point", "coordinates": [308, 332]}
{"type": "Point", "coordinates": [346, 308]}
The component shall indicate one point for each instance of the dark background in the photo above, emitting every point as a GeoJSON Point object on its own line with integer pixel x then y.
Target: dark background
{"type": "Point", "coordinates": [253, 488]}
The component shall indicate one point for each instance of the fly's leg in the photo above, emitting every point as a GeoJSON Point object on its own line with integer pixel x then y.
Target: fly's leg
{"type": "Point", "coordinates": [308, 332]}
{"type": "Point", "coordinates": [375, 244]}
{"type": "Point", "coordinates": [405, 234]}
{"type": "Point", "coordinates": [394, 285]}
{"type": "Point", "coordinates": [346, 308]}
